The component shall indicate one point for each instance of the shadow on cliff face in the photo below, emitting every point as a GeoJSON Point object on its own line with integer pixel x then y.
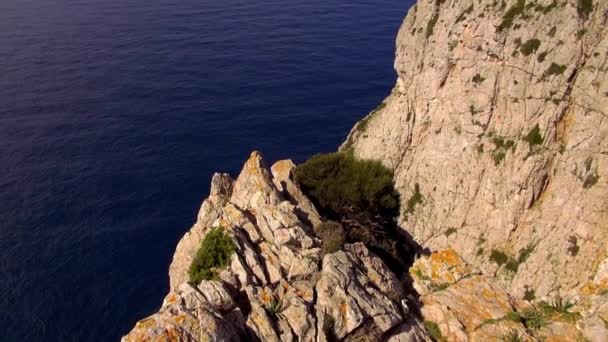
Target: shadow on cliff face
{"type": "Point", "coordinates": [360, 196]}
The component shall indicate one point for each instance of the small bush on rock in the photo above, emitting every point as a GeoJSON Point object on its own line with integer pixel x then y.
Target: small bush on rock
{"type": "Point", "coordinates": [360, 195]}
{"type": "Point", "coordinates": [433, 330]}
{"type": "Point", "coordinates": [214, 253]}
{"type": "Point", "coordinates": [332, 234]}
{"type": "Point", "coordinates": [498, 257]}
{"type": "Point", "coordinates": [530, 46]}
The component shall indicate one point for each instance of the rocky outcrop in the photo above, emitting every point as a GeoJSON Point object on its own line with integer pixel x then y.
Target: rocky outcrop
{"type": "Point", "coordinates": [278, 286]}
{"type": "Point", "coordinates": [497, 131]}
{"type": "Point", "coordinates": [465, 305]}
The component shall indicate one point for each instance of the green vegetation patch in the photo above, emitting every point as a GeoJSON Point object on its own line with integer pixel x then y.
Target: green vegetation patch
{"type": "Point", "coordinates": [430, 26]}
{"type": "Point", "coordinates": [501, 146]}
{"type": "Point", "coordinates": [534, 138]}
{"type": "Point", "coordinates": [533, 318]}
{"type": "Point", "coordinates": [530, 46]}
{"type": "Point", "coordinates": [554, 70]}
{"type": "Point", "coordinates": [529, 294]}
{"type": "Point", "coordinates": [498, 257]}
{"type": "Point", "coordinates": [573, 247]}
{"type": "Point", "coordinates": [214, 254]}
{"type": "Point", "coordinates": [512, 336]}
{"type": "Point", "coordinates": [333, 236]}
{"type": "Point", "coordinates": [584, 8]}
{"type": "Point", "coordinates": [360, 195]}
{"type": "Point", "coordinates": [433, 329]}
{"type": "Point", "coordinates": [450, 231]}
{"type": "Point", "coordinates": [559, 308]}
{"type": "Point", "coordinates": [413, 201]}
{"type": "Point", "coordinates": [478, 79]}
{"type": "Point", "coordinates": [511, 264]}
{"type": "Point", "coordinates": [512, 13]}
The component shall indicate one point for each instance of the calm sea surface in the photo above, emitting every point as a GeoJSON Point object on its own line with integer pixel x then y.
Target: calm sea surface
{"type": "Point", "coordinates": [115, 113]}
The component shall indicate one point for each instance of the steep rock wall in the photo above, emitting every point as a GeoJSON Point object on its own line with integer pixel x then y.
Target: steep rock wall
{"type": "Point", "coordinates": [499, 117]}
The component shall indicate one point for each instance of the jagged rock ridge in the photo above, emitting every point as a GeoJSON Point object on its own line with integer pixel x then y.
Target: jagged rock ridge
{"type": "Point", "coordinates": [278, 287]}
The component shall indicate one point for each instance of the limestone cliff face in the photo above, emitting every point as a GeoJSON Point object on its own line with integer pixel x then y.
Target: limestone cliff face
{"type": "Point", "coordinates": [497, 130]}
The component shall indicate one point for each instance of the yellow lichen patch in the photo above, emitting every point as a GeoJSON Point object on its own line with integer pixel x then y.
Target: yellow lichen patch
{"type": "Point", "coordinates": [179, 319]}
{"type": "Point", "coordinates": [145, 323]}
{"type": "Point", "coordinates": [343, 308]}
{"type": "Point", "coordinates": [446, 265]}
{"type": "Point", "coordinates": [171, 298]}
{"type": "Point", "coordinates": [266, 296]}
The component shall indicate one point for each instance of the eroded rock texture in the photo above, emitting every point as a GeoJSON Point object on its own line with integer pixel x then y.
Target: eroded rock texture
{"type": "Point", "coordinates": [277, 287]}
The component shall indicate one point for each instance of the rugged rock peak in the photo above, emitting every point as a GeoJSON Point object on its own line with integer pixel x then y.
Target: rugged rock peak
{"type": "Point", "coordinates": [278, 286]}
{"type": "Point", "coordinates": [497, 132]}
{"type": "Point", "coordinates": [254, 188]}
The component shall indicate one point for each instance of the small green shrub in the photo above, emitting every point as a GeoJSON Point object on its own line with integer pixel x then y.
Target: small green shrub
{"type": "Point", "coordinates": [360, 195]}
{"type": "Point", "coordinates": [552, 32]}
{"type": "Point", "coordinates": [214, 254]}
{"type": "Point", "coordinates": [559, 307]}
{"type": "Point", "coordinates": [533, 319]}
{"type": "Point", "coordinates": [340, 183]}
{"type": "Point", "coordinates": [584, 8]}
{"type": "Point", "coordinates": [534, 137]}
{"type": "Point", "coordinates": [418, 273]}
{"type": "Point", "coordinates": [450, 231]}
{"type": "Point", "coordinates": [498, 157]}
{"type": "Point", "coordinates": [413, 201]}
{"type": "Point", "coordinates": [513, 316]}
{"type": "Point", "coordinates": [433, 329]}
{"type": "Point", "coordinates": [573, 248]}
{"type": "Point", "coordinates": [541, 56]}
{"type": "Point", "coordinates": [511, 14]}
{"type": "Point", "coordinates": [333, 236]}
{"type": "Point", "coordinates": [512, 336]}
{"type": "Point", "coordinates": [555, 69]}
{"type": "Point", "coordinates": [580, 33]}
{"type": "Point", "coordinates": [477, 79]}
{"type": "Point", "coordinates": [498, 257]}
{"type": "Point", "coordinates": [439, 287]}
{"type": "Point", "coordinates": [529, 294]}
{"type": "Point", "coordinates": [530, 46]}
{"type": "Point", "coordinates": [430, 26]}
{"type": "Point", "coordinates": [558, 304]}
{"type": "Point", "coordinates": [275, 307]}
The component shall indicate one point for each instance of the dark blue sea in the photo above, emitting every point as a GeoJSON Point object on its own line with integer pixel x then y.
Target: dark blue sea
{"type": "Point", "coordinates": [115, 113]}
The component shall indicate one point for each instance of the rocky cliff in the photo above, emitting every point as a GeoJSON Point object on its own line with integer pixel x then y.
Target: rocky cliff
{"type": "Point", "coordinates": [277, 286]}
{"type": "Point", "coordinates": [497, 132]}
{"type": "Point", "coordinates": [497, 127]}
